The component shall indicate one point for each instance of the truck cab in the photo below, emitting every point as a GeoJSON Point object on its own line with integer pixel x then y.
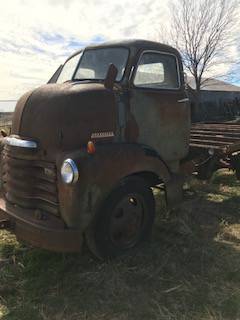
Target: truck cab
{"type": "Point", "coordinates": [86, 149]}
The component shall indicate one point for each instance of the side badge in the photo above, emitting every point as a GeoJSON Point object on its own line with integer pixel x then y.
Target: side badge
{"type": "Point", "coordinates": [99, 135]}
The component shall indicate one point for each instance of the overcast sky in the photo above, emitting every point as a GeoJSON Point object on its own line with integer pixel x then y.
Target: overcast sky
{"type": "Point", "coordinates": [37, 36]}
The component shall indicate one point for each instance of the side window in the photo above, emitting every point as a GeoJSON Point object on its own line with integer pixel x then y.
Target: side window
{"type": "Point", "coordinates": [157, 71]}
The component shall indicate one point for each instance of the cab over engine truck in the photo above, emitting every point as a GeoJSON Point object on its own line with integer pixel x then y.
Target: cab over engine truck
{"type": "Point", "coordinates": [86, 148]}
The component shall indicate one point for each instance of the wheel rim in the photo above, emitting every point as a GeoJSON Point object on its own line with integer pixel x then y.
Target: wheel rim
{"type": "Point", "coordinates": [127, 221]}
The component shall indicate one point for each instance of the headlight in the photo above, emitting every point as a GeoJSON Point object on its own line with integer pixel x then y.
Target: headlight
{"type": "Point", "coordinates": [69, 171]}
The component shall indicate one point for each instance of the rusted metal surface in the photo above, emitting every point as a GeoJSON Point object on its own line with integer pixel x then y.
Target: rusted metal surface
{"type": "Point", "coordinates": [135, 131]}
{"type": "Point", "coordinates": [162, 122]}
{"type": "Point", "coordinates": [156, 118]}
{"type": "Point", "coordinates": [100, 173]}
{"type": "Point", "coordinates": [63, 116]}
{"type": "Point", "coordinates": [28, 182]}
{"type": "Point", "coordinates": [48, 231]}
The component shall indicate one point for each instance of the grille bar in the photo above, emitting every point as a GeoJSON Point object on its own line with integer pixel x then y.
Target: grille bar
{"type": "Point", "coordinates": [29, 183]}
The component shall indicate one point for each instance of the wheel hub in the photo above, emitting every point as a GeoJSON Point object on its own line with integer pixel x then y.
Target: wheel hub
{"type": "Point", "coordinates": [126, 221]}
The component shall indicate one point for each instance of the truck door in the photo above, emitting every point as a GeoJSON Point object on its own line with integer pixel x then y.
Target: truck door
{"type": "Point", "coordinates": [158, 105]}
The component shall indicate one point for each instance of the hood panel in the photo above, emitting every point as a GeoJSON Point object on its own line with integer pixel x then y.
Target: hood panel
{"type": "Point", "coordinates": [63, 116]}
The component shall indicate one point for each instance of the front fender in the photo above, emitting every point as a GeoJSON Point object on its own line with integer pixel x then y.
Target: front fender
{"type": "Point", "coordinates": [99, 174]}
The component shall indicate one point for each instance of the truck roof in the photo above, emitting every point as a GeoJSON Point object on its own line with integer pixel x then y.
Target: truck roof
{"type": "Point", "coordinates": [134, 44]}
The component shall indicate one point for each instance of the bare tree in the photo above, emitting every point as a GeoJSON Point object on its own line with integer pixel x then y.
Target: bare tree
{"type": "Point", "coordinates": [202, 30]}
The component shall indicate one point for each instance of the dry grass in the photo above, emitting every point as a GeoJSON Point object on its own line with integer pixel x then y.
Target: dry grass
{"type": "Point", "coordinates": [190, 270]}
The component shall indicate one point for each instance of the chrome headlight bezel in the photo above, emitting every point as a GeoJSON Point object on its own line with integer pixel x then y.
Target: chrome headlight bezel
{"type": "Point", "coordinates": [69, 171]}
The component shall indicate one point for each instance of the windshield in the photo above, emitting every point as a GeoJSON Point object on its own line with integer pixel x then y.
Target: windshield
{"type": "Point", "coordinates": [94, 64]}
{"type": "Point", "coordinates": [69, 69]}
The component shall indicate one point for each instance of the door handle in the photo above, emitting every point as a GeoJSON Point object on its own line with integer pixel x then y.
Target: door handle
{"type": "Point", "coordinates": [183, 100]}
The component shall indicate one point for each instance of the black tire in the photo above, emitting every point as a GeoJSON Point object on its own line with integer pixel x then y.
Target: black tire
{"type": "Point", "coordinates": [124, 221]}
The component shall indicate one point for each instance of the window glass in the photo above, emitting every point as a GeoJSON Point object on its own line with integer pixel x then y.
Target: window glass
{"type": "Point", "coordinates": [94, 63]}
{"type": "Point", "coordinates": [68, 69]}
{"type": "Point", "coordinates": [158, 71]}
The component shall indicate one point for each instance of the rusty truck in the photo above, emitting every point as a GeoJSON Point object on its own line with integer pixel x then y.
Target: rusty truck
{"type": "Point", "coordinates": [86, 149]}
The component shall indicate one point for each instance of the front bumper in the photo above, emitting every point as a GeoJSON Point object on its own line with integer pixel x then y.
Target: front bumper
{"type": "Point", "coordinates": [40, 230]}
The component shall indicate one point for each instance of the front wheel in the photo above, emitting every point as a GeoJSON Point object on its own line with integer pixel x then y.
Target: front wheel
{"type": "Point", "coordinates": [124, 220]}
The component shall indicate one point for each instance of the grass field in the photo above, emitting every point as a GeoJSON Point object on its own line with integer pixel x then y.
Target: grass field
{"type": "Point", "coordinates": [190, 270]}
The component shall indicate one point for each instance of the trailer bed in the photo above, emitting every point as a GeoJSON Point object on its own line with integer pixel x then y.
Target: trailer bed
{"type": "Point", "coordinates": [220, 137]}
